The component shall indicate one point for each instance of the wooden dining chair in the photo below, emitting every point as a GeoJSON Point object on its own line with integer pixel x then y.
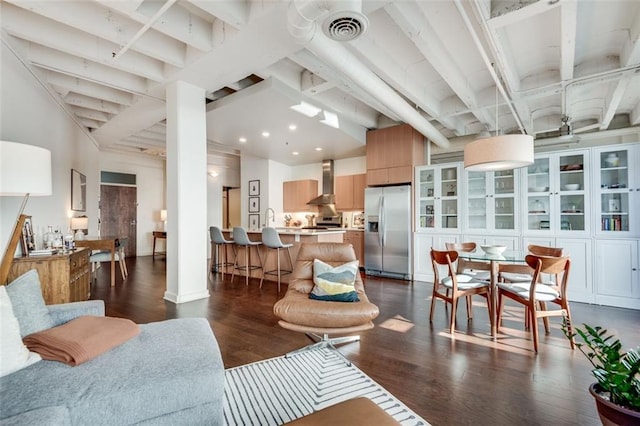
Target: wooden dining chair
{"type": "Point", "coordinates": [479, 270]}
{"type": "Point", "coordinates": [523, 275]}
{"type": "Point", "coordinates": [453, 286]}
{"type": "Point", "coordinates": [535, 295]}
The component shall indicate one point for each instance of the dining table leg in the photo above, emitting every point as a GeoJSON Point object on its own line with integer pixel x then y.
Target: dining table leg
{"type": "Point", "coordinates": [494, 297]}
{"type": "Point", "coordinates": [113, 267]}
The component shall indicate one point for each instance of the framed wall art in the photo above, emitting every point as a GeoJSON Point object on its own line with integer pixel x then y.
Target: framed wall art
{"type": "Point", "coordinates": [78, 191]}
{"type": "Point", "coordinates": [254, 204]}
{"type": "Point", "coordinates": [254, 221]}
{"type": "Point", "coordinates": [254, 188]}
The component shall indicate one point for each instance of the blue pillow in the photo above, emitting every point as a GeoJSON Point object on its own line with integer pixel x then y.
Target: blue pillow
{"type": "Point", "coordinates": [28, 305]}
{"type": "Point", "coordinates": [335, 284]}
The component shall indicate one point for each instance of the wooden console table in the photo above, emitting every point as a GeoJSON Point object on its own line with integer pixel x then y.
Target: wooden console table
{"type": "Point", "coordinates": [64, 277]}
{"type": "Point", "coordinates": [158, 234]}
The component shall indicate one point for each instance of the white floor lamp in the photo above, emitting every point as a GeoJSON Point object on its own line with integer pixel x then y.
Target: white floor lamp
{"type": "Point", "coordinates": [25, 170]}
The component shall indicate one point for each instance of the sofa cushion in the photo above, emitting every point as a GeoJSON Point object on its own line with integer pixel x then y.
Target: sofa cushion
{"type": "Point", "coordinates": [170, 366]}
{"type": "Point", "coordinates": [28, 305]}
{"type": "Point", "coordinates": [335, 283]}
{"type": "Point", "coordinates": [14, 355]}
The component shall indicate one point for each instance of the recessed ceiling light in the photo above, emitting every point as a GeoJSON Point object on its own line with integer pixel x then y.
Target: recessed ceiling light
{"type": "Point", "coordinates": [242, 140]}
{"type": "Point", "coordinates": [318, 148]}
{"type": "Point", "coordinates": [292, 127]}
{"type": "Point", "coordinates": [295, 153]}
{"type": "Point", "coordinates": [266, 134]}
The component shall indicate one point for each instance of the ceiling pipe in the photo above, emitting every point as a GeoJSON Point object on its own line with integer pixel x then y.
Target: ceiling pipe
{"type": "Point", "coordinates": [488, 63]}
{"type": "Point", "coordinates": [303, 16]}
{"type": "Point", "coordinates": [144, 29]}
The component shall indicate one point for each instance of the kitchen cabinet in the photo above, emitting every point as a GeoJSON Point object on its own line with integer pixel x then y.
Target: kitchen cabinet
{"type": "Point", "coordinates": [64, 277]}
{"type": "Point", "coordinates": [356, 239]}
{"type": "Point", "coordinates": [557, 200]}
{"type": "Point", "coordinates": [491, 204]}
{"type": "Point", "coordinates": [422, 245]}
{"type": "Point", "coordinates": [349, 192]}
{"type": "Point", "coordinates": [617, 187]}
{"type": "Point", "coordinates": [617, 268]}
{"type": "Point", "coordinates": [437, 189]}
{"type": "Point", "coordinates": [392, 154]}
{"type": "Point", "coordinates": [297, 193]}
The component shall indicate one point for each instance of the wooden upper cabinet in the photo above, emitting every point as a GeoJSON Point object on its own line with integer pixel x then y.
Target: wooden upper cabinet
{"type": "Point", "coordinates": [349, 192]}
{"type": "Point", "coordinates": [297, 193]}
{"type": "Point", "coordinates": [392, 153]}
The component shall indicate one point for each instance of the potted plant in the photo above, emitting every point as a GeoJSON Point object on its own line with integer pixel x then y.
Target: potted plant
{"type": "Point", "coordinates": [617, 390]}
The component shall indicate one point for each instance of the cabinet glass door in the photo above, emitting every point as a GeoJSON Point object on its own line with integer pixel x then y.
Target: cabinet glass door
{"type": "Point", "coordinates": [571, 187]}
{"type": "Point", "coordinates": [426, 182]}
{"type": "Point", "coordinates": [614, 190]}
{"type": "Point", "coordinates": [477, 200]}
{"type": "Point", "coordinates": [504, 198]}
{"type": "Point", "coordinates": [449, 197]}
{"type": "Point", "coordinates": [539, 195]}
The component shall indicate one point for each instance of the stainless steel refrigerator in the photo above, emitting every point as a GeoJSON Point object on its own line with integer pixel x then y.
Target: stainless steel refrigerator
{"type": "Point", "coordinates": [387, 232]}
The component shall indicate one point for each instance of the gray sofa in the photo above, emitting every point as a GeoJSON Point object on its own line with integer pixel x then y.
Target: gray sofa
{"type": "Point", "coordinates": [170, 374]}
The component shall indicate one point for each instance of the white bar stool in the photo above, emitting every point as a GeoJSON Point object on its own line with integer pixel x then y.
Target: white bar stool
{"type": "Point", "coordinates": [271, 241]}
{"type": "Point", "coordinates": [242, 240]}
{"type": "Point", "coordinates": [220, 258]}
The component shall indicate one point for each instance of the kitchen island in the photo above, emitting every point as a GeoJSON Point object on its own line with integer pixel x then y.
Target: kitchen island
{"type": "Point", "coordinates": [295, 236]}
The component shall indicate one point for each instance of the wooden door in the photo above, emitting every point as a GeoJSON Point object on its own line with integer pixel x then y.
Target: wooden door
{"type": "Point", "coordinates": [118, 213]}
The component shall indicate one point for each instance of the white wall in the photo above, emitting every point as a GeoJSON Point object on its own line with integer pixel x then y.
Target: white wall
{"type": "Point", "coordinates": [30, 115]}
{"type": "Point", "coordinates": [150, 184]}
{"type": "Point", "coordinates": [253, 168]}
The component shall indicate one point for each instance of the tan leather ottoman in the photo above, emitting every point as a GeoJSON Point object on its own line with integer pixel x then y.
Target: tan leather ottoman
{"type": "Point", "coordinates": [356, 412]}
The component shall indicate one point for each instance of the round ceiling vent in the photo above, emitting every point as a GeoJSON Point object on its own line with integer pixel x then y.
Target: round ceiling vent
{"type": "Point", "coordinates": [345, 26]}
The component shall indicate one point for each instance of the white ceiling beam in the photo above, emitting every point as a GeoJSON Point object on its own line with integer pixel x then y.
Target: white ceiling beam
{"type": "Point", "coordinates": [89, 123]}
{"type": "Point", "coordinates": [612, 103]}
{"type": "Point", "coordinates": [91, 113]}
{"type": "Point", "coordinates": [107, 24]}
{"type": "Point", "coordinates": [235, 13]}
{"type": "Point", "coordinates": [84, 101]}
{"type": "Point", "coordinates": [411, 20]}
{"type": "Point", "coordinates": [525, 13]}
{"type": "Point", "coordinates": [77, 67]}
{"type": "Point", "coordinates": [568, 22]}
{"type": "Point", "coordinates": [152, 136]}
{"type": "Point", "coordinates": [37, 29]}
{"type": "Point", "coordinates": [634, 115]}
{"type": "Point", "coordinates": [139, 116]}
{"type": "Point", "coordinates": [88, 88]}
{"type": "Point", "coordinates": [631, 50]}
{"type": "Point", "coordinates": [176, 22]}
{"type": "Point", "coordinates": [312, 84]}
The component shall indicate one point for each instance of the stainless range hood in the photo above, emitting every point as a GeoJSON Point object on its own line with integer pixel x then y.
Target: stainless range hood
{"type": "Point", "coordinates": [327, 200]}
{"type": "Point", "coordinates": [327, 196]}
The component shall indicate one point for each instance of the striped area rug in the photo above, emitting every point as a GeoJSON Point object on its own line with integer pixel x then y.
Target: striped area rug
{"type": "Point", "coordinates": [278, 390]}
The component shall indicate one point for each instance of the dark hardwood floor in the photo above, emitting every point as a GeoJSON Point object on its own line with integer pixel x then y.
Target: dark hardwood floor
{"type": "Point", "coordinates": [459, 380]}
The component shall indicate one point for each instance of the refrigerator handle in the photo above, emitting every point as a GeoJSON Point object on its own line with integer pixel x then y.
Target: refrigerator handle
{"type": "Point", "coordinates": [382, 230]}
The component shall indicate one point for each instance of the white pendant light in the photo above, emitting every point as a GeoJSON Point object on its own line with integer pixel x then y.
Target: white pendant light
{"type": "Point", "coordinates": [499, 152]}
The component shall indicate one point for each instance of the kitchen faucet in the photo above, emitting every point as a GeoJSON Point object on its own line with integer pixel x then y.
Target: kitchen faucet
{"type": "Point", "coordinates": [266, 216]}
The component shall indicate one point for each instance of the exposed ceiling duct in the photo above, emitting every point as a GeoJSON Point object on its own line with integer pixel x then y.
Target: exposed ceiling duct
{"type": "Point", "coordinates": [303, 17]}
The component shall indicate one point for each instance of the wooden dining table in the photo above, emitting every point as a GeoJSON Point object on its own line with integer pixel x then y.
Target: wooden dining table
{"type": "Point", "coordinates": [509, 261]}
{"type": "Point", "coordinates": [102, 243]}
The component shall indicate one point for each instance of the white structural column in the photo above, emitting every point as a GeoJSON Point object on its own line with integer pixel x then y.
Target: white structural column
{"type": "Point", "coordinates": [186, 193]}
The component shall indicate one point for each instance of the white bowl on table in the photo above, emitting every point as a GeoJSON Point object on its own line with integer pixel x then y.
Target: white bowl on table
{"type": "Point", "coordinates": [493, 250]}
{"type": "Point", "coordinates": [538, 189]}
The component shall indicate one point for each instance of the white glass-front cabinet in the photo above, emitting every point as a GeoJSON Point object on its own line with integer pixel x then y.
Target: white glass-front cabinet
{"type": "Point", "coordinates": [491, 201]}
{"type": "Point", "coordinates": [437, 194]}
{"type": "Point", "coordinates": [618, 190]}
{"type": "Point", "coordinates": [557, 198]}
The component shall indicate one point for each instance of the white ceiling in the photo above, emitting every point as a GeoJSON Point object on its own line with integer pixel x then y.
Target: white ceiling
{"type": "Point", "coordinates": [431, 63]}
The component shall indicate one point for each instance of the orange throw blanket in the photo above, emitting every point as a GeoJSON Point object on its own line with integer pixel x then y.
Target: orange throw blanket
{"type": "Point", "coordinates": [81, 339]}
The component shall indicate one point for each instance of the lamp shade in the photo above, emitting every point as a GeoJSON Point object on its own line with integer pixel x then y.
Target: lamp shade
{"type": "Point", "coordinates": [24, 169]}
{"type": "Point", "coordinates": [81, 222]}
{"type": "Point", "coordinates": [163, 215]}
{"type": "Point", "coordinates": [499, 153]}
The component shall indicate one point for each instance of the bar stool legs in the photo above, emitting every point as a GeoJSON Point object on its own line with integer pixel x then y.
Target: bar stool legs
{"type": "Point", "coordinates": [247, 267]}
{"type": "Point", "coordinates": [220, 258]}
{"type": "Point", "coordinates": [278, 271]}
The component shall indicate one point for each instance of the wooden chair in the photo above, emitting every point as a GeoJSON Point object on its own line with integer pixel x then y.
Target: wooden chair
{"type": "Point", "coordinates": [479, 270]}
{"type": "Point", "coordinates": [535, 295]}
{"type": "Point", "coordinates": [458, 285]}
{"type": "Point", "coordinates": [105, 256]}
{"type": "Point", "coordinates": [523, 274]}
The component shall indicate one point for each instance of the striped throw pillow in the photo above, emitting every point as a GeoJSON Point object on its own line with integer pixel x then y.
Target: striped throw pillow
{"type": "Point", "coordinates": [334, 283]}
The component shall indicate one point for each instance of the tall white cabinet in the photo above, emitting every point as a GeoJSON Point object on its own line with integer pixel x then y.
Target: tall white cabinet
{"type": "Point", "coordinates": [586, 201]}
